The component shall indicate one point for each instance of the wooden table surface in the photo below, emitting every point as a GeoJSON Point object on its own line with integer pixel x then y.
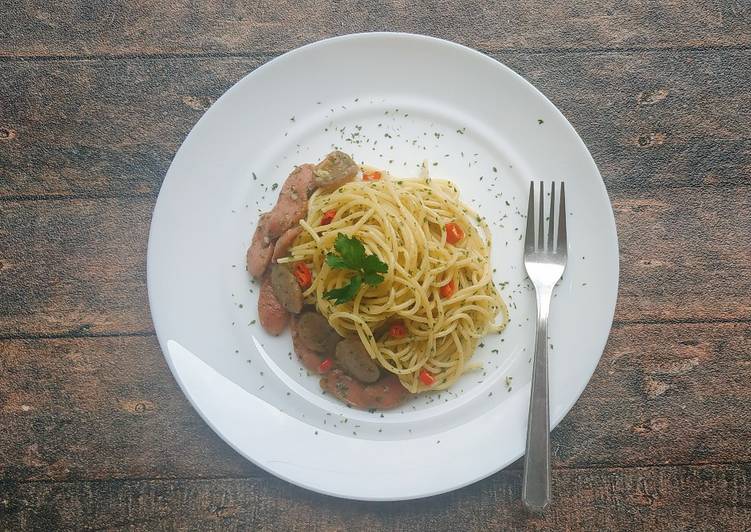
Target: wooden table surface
{"type": "Point", "coordinates": [95, 98]}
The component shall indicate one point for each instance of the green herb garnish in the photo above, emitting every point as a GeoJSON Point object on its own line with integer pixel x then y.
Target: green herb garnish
{"type": "Point", "coordinates": [351, 256]}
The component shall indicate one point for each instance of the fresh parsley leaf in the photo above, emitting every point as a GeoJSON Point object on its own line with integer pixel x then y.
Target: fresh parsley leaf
{"type": "Point", "coordinates": [351, 250]}
{"type": "Point", "coordinates": [346, 292]}
{"type": "Point", "coordinates": [335, 262]}
{"type": "Point", "coordinates": [373, 279]}
{"type": "Point", "coordinates": [352, 256]}
{"type": "Point", "coordinates": [371, 263]}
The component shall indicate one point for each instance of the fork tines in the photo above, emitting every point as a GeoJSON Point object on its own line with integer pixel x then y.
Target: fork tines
{"type": "Point", "coordinates": [535, 240]}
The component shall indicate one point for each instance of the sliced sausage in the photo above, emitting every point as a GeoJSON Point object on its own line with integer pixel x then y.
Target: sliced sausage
{"type": "Point", "coordinates": [336, 169]}
{"type": "Point", "coordinates": [309, 358]}
{"type": "Point", "coordinates": [355, 359]}
{"type": "Point", "coordinates": [317, 334]}
{"type": "Point", "coordinates": [285, 242]}
{"type": "Point", "coordinates": [292, 205]}
{"type": "Point", "coordinates": [386, 393]}
{"type": "Point", "coordinates": [260, 251]}
{"type": "Point", "coordinates": [271, 314]}
{"type": "Point", "coordinates": [286, 288]}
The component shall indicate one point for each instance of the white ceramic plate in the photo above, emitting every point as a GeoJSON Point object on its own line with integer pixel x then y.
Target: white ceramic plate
{"type": "Point", "coordinates": [391, 100]}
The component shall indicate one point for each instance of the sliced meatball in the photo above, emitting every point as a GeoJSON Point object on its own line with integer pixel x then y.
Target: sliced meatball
{"type": "Point", "coordinates": [386, 393]}
{"type": "Point", "coordinates": [261, 250]}
{"type": "Point", "coordinates": [292, 205]}
{"type": "Point", "coordinates": [317, 334]}
{"type": "Point", "coordinates": [309, 358]}
{"type": "Point", "coordinates": [355, 359]}
{"type": "Point", "coordinates": [286, 288]}
{"type": "Point", "coordinates": [271, 313]}
{"type": "Point", "coordinates": [285, 242]}
{"type": "Point", "coordinates": [336, 169]}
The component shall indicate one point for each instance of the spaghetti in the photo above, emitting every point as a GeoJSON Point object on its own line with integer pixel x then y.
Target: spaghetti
{"type": "Point", "coordinates": [438, 289]}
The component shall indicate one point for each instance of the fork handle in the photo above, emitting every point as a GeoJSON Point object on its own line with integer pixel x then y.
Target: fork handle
{"type": "Point", "coordinates": [536, 486]}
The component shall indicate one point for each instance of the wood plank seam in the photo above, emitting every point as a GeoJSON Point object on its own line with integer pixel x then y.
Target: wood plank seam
{"type": "Point", "coordinates": [76, 197]}
{"type": "Point", "coordinates": [260, 474]}
{"type": "Point", "coordinates": [153, 195]}
{"type": "Point", "coordinates": [81, 332]}
{"type": "Point", "coordinates": [275, 53]}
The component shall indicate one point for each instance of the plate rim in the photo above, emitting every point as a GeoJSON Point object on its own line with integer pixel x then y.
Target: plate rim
{"type": "Point", "coordinates": [151, 252]}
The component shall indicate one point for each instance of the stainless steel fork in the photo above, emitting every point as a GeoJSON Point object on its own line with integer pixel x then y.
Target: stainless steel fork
{"type": "Point", "coordinates": [545, 263]}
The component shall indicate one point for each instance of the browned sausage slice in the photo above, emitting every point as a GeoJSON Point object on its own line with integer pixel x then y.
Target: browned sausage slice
{"type": "Point", "coordinates": [260, 251]}
{"type": "Point", "coordinates": [292, 205]}
{"type": "Point", "coordinates": [317, 334]}
{"type": "Point", "coordinates": [309, 358]}
{"type": "Point", "coordinates": [285, 242]}
{"type": "Point", "coordinates": [336, 169]}
{"type": "Point", "coordinates": [386, 393]}
{"type": "Point", "coordinates": [354, 358]}
{"type": "Point", "coordinates": [286, 288]}
{"type": "Point", "coordinates": [271, 314]}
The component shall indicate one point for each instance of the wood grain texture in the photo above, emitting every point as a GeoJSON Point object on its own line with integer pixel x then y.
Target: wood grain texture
{"type": "Point", "coordinates": [685, 254]}
{"type": "Point", "coordinates": [663, 394]}
{"type": "Point", "coordinates": [665, 499]}
{"type": "Point", "coordinates": [78, 267]}
{"type": "Point", "coordinates": [74, 267]}
{"type": "Point", "coordinates": [215, 27]}
{"type": "Point", "coordinates": [102, 408]}
{"type": "Point", "coordinates": [111, 127]}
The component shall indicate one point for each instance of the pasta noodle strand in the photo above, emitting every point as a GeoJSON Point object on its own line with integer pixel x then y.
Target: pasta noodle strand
{"type": "Point", "coordinates": [403, 222]}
